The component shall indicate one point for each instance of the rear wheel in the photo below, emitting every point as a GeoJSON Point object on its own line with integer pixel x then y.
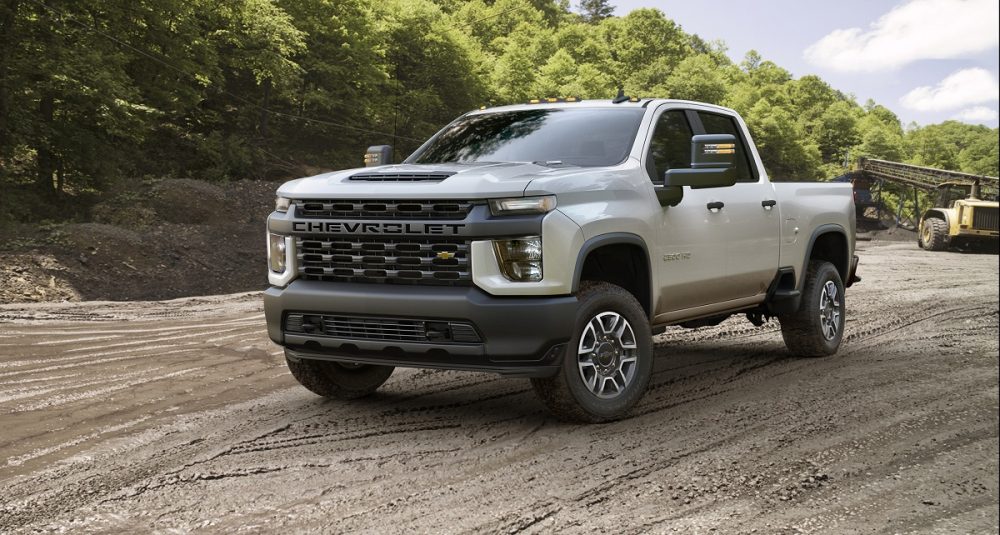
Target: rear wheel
{"type": "Point", "coordinates": [934, 234]}
{"type": "Point", "coordinates": [817, 327]}
{"type": "Point", "coordinates": [607, 365]}
{"type": "Point", "coordinates": [337, 380]}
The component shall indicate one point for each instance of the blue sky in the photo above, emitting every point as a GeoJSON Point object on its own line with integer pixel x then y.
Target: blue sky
{"type": "Point", "coordinates": [927, 60]}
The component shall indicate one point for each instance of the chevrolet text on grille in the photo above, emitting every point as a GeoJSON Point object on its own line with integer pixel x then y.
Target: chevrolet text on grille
{"type": "Point", "coordinates": [345, 227]}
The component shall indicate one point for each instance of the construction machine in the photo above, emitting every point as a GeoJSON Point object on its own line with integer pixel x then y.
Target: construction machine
{"type": "Point", "coordinates": [960, 217]}
{"type": "Point", "coordinates": [964, 212]}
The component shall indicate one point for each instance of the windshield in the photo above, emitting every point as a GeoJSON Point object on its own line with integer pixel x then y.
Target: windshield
{"type": "Point", "coordinates": [954, 192]}
{"type": "Point", "coordinates": [587, 137]}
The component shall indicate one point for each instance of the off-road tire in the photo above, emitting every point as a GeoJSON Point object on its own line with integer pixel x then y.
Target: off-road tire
{"type": "Point", "coordinates": [803, 330]}
{"type": "Point", "coordinates": [934, 234]}
{"type": "Point", "coordinates": [566, 394]}
{"type": "Point", "coordinates": [335, 380]}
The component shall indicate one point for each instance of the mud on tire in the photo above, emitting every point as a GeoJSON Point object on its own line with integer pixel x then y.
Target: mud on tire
{"type": "Point", "coordinates": [817, 327]}
{"type": "Point", "coordinates": [603, 374]}
{"type": "Point", "coordinates": [337, 380]}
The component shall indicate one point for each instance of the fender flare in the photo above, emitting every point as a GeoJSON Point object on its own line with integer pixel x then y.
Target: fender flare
{"type": "Point", "coordinates": [817, 232]}
{"type": "Point", "coordinates": [938, 212]}
{"type": "Point", "coordinates": [614, 238]}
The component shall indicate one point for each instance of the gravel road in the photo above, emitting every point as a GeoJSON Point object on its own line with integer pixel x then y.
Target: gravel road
{"type": "Point", "coordinates": [180, 415]}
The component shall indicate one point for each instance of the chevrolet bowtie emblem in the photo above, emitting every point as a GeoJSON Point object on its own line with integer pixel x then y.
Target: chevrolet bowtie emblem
{"type": "Point", "coordinates": [446, 255]}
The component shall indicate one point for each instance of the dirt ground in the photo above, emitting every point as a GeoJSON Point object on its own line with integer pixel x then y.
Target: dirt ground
{"type": "Point", "coordinates": [163, 240]}
{"type": "Point", "coordinates": [180, 415]}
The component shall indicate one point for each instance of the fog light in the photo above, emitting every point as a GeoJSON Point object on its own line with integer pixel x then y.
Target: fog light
{"type": "Point", "coordinates": [520, 259]}
{"type": "Point", "coordinates": [276, 248]}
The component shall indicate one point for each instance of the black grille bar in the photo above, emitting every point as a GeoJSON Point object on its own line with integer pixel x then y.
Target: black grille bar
{"type": "Point", "coordinates": [426, 261]}
{"type": "Point", "coordinates": [382, 209]}
{"type": "Point", "coordinates": [401, 177]}
{"type": "Point", "coordinates": [382, 329]}
{"type": "Point", "coordinates": [985, 218]}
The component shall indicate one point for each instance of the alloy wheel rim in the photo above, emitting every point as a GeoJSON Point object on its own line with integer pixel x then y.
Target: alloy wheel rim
{"type": "Point", "coordinates": [607, 355]}
{"type": "Point", "coordinates": [829, 310]}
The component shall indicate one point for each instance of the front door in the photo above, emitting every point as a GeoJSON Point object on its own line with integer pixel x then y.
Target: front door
{"type": "Point", "coordinates": [689, 254]}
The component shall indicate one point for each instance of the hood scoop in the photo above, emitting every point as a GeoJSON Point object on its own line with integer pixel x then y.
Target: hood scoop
{"type": "Point", "coordinates": [436, 176]}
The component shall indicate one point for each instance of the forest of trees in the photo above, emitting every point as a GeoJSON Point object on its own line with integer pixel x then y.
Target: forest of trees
{"type": "Point", "coordinates": [94, 93]}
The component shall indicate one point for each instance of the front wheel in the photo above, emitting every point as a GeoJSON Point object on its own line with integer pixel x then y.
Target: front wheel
{"type": "Point", "coordinates": [337, 380]}
{"type": "Point", "coordinates": [607, 365]}
{"type": "Point", "coordinates": [817, 327]}
{"type": "Point", "coordinates": [934, 234]}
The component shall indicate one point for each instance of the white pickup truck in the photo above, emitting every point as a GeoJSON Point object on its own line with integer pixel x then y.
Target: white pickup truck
{"type": "Point", "coordinates": [552, 240]}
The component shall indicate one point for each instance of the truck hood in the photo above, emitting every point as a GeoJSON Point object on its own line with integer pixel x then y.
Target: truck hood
{"type": "Point", "coordinates": [457, 181]}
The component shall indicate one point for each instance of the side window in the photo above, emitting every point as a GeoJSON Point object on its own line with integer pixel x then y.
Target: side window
{"type": "Point", "coordinates": [723, 124]}
{"type": "Point", "coordinates": [671, 144]}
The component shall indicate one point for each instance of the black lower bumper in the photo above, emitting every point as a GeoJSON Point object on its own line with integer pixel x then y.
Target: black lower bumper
{"type": "Point", "coordinates": [521, 336]}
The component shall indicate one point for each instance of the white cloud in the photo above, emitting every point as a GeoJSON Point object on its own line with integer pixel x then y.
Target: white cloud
{"type": "Point", "coordinates": [977, 114]}
{"type": "Point", "coordinates": [915, 30]}
{"type": "Point", "coordinates": [961, 88]}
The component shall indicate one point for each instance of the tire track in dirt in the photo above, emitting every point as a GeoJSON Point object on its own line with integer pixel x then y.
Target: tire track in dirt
{"type": "Point", "coordinates": [734, 434]}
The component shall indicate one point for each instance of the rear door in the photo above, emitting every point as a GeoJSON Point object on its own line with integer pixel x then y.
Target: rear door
{"type": "Point", "coordinates": [753, 230]}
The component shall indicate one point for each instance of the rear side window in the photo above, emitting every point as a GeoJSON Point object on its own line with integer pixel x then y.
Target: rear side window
{"type": "Point", "coordinates": [723, 124]}
{"type": "Point", "coordinates": [671, 144]}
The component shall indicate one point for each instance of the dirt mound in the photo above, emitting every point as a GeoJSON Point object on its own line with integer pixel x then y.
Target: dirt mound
{"type": "Point", "coordinates": [188, 201]}
{"type": "Point", "coordinates": [893, 234]}
{"type": "Point", "coordinates": [32, 278]}
{"type": "Point", "coordinates": [171, 238]}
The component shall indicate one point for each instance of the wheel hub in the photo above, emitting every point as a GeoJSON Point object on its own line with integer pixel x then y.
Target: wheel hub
{"type": "Point", "coordinates": [829, 310]}
{"type": "Point", "coordinates": [607, 355]}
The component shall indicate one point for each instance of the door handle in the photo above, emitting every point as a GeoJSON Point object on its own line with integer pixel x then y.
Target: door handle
{"type": "Point", "coordinates": [768, 203]}
{"type": "Point", "coordinates": [716, 205]}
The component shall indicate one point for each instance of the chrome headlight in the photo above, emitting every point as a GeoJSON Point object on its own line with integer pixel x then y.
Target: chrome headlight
{"type": "Point", "coordinates": [523, 205]}
{"type": "Point", "coordinates": [281, 204]}
{"type": "Point", "coordinates": [520, 259]}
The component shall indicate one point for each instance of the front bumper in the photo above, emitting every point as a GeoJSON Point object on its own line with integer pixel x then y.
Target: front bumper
{"type": "Point", "coordinates": [977, 233]}
{"type": "Point", "coordinates": [521, 336]}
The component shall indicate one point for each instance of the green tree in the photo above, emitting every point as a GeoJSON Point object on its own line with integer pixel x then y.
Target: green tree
{"type": "Point", "coordinates": [836, 131]}
{"type": "Point", "coordinates": [785, 155]}
{"type": "Point", "coordinates": [645, 48]}
{"type": "Point", "coordinates": [880, 142]}
{"type": "Point", "coordinates": [595, 11]}
{"type": "Point", "coordinates": [102, 91]}
{"type": "Point", "coordinates": [696, 77]}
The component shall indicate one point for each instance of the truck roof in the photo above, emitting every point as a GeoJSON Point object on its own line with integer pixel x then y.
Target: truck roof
{"type": "Point", "coordinates": [640, 103]}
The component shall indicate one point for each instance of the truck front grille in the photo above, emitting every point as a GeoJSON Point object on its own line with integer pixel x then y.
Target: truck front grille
{"type": "Point", "coordinates": [985, 218]}
{"type": "Point", "coordinates": [381, 209]}
{"type": "Point", "coordinates": [425, 261]}
{"type": "Point", "coordinates": [382, 329]}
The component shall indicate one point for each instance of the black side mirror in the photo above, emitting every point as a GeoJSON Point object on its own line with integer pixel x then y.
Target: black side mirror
{"type": "Point", "coordinates": [378, 155]}
{"type": "Point", "coordinates": [713, 165]}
